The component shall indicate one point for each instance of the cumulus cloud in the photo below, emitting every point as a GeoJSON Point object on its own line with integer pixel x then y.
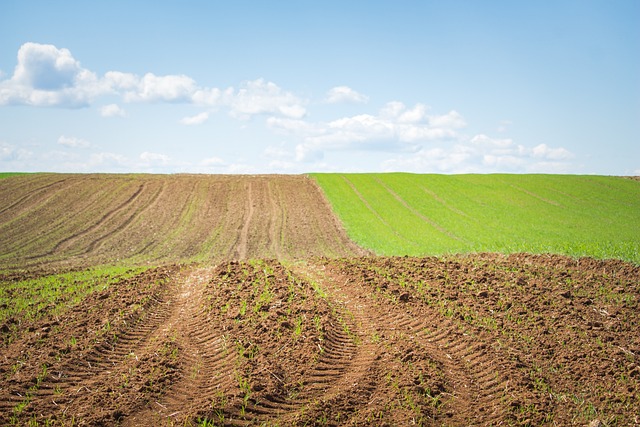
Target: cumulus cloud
{"type": "Point", "coordinates": [344, 94]}
{"type": "Point", "coordinates": [545, 152]}
{"type": "Point", "coordinates": [71, 141]}
{"type": "Point", "coordinates": [44, 67]}
{"type": "Point", "coordinates": [107, 162]}
{"type": "Point", "coordinates": [394, 128]}
{"type": "Point", "coordinates": [46, 76]}
{"type": "Point", "coordinates": [195, 120]}
{"type": "Point", "coordinates": [262, 97]}
{"type": "Point", "coordinates": [112, 110]}
{"type": "Point", "coordinates": [152, 88]}
{"type": "Point", "coordinates": [150, 159]}
{"type": "Point", "coordinates": [482, 153]}
{"type": "Point", "coordinates": [213, 161]}
{"type": "Point", "coordinates": [10, 153]}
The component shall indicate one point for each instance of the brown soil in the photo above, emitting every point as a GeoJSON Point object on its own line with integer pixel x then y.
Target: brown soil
{"type": "Point", "coordinates": [475, 340]}
{"type": "Point", "coordinates": [259, 331]}
{"type": "Point", "coordinates": [81, 220]}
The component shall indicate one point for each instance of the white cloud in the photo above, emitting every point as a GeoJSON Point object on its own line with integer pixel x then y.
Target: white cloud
{"type": "Point", "coordinates": [442, 160]}
{"type": "Point", "coordinates": [195, 120]}
{"type": "Point", "coordinates": [211, 96]}
{"type": "Point", "coordinates": [295, 126]}
{"type": "Point", "coordinates": [9, 153]}
{"type": "Point", "coordinates": [44, 67]}
{"type": "Point", "coordinates": [150, 159]}
{"type": "Point", "coordinates": [170, 88]}
{"type": "Point", "coordinates": [6, 151]}
{"type": "Point", "coordinates": [112, 110]}
{"type": "Point", "coordinates": [106, 161]}
{"type": "Point", "coordinates": [213, 161]}
{"type": "Point", "coordinates": [261, 97]}
{"type": "Point", "coordinates": [482, 154]}
{"type": "Point", "coordinates": [345, 94]}
{"type": "Point", "coordinates": [71, 141]}
{"type": "Point", "coordinates": [47, 76]}
{"type": "Point", "coordinates": [398, 112]}
{"type": "Point", "coordinates": [394, 128]}
{"type": "Point", "coordinates": [451, 120]}
{"type": "Point", "coordinates": [545, 152]}
{"type": "Point", "coordinates": [491, 142]}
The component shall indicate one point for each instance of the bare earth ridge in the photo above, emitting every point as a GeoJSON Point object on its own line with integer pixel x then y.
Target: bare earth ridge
{"type": "Point", "coordinates": [259, 311]}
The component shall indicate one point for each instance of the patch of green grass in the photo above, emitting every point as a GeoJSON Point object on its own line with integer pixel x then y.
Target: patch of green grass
{"type": "Point", "coordinates": [10, 174]}
{"type": "Point", "coordinates": [35, 297]}
{"type": "Point", "coordinates": [407, 214]}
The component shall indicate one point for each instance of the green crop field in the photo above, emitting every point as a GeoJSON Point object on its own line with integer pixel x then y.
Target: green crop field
{"type": "Point", "coordinates": [407, 214]}
{"type": "Point", "coordinates": [8, 174]}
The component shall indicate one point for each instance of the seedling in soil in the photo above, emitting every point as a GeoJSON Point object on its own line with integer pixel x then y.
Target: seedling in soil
{"type": "Point", "coordinates": [243, 308]}
{"type": "Point", "coordinates": [297, 329]}
{"type": "Point", "coordinates": [245, 389]}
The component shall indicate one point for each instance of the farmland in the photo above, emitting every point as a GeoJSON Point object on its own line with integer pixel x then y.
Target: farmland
{"type": "Point", "coordinates": [219, 300]}
{"type": "Point", "coordinates": [398, 214]}
{"type": "Point", "coordinates": [84, 220]}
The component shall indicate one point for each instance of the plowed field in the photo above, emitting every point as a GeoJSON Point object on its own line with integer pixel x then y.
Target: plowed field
{"type": "Point", "coordinates": [81, 220]}
{"type": "Point", "coordinates": [276, 319]}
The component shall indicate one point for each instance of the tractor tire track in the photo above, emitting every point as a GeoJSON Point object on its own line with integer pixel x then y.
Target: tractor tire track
{"type": "Point", "coordinates": [95, 367]}
{"type": "Point", "coordinates": [68, 240]}
{"type": "Point", "coordinates": [475, 374]}
{"type": "Point", "coordinates": [16, 227]}
{"type": "Point", "coordinates": [340, 362]}
{"type": "Point", "coordinates": [102, 340]}
{"type": "Point", "coordinates": [277, 218]}
{"type": "Point", "coordinates": [242, 243]}
{"type": "Point", "coordinates": [206, 364]}
{"type": "Point", "coordinates": [343, 366]}
{"type": "Point", "coordinates": [34, 194]}
{"type": "Point", "coordinates": [95, 244]}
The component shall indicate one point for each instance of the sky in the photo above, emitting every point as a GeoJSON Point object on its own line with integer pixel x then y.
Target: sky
{"type": "Point", "coordinates": [244, 87]}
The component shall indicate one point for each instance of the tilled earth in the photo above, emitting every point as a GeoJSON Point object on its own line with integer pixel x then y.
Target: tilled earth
{"type": "Point", "coordinates": [71, 221]}
{"type": "Point", "coordinates": [467, 340]}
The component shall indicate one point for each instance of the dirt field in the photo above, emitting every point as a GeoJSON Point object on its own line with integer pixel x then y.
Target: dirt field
{"type": "Point", "coordinates": [296, 329]}
{"type": "Point", "coordinates": [82, 220]}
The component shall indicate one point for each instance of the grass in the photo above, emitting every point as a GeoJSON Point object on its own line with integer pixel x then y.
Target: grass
{"type": "Point", "coordinates": [32, 298]}
{"type": "Point", "coordinates": [10, 174]}
{"type": "Point", "coordinates": [407, 214]}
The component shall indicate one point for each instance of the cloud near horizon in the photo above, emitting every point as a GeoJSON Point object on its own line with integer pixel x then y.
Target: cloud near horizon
{"type": "Point", "coordinates": [73, 141]}
{"type": "Point", "coordinates": [394, 128]}
{"type": "Point", "coordinates": [419, 139]}
{"type": "Point", "coordinates": [198, 119]}
{"type": "Point", "coordinates": [112, 110]}
{"type": "Point", "coordinates": [482, 152]}
{"type": "Point", "coordinates": [340, 94]}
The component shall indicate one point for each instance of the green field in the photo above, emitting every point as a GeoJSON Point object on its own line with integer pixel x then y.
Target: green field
{"type": "Point", "coordinates": [407, 214]}
{"type": "Point", "coordinates": [9, 174]}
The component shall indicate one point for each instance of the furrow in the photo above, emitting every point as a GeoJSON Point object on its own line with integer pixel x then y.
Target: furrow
{"type": "Point", "coordinates": [96, 365]}
{"type": "Point", "coordinates": [67, 240]}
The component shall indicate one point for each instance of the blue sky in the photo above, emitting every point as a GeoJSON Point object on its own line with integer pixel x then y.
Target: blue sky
{"type": "Point", "coordinates": [302, 86]}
